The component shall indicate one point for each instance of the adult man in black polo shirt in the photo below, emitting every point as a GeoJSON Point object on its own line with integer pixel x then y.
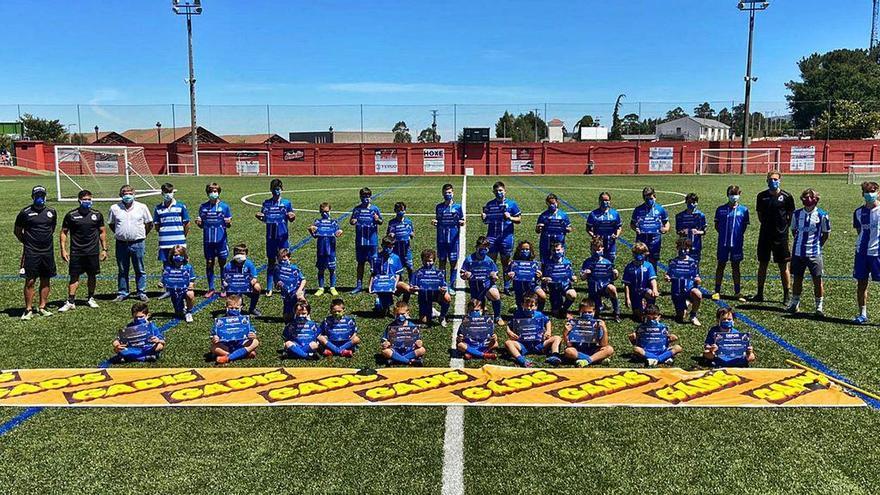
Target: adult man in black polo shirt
{"type": "Point", "coordinates": [35, 229]}
{"type": "Point", "coordinates": [88, 247]}
{"type": "Point", "coordinates": [774, 210]}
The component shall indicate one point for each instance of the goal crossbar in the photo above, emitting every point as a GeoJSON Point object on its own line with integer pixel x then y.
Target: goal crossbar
{"type": "Point", "coordinates": [738, 155]}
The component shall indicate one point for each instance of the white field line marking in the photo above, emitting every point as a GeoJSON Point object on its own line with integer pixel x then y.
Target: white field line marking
{"type": "Point", "coordinates": [453, 436]}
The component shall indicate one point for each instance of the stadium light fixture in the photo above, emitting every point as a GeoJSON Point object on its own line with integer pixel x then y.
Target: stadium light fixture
{"type": "Point", "coordinates": [190, 8]}
{"type": "Point", "coordinates": [750, 6]}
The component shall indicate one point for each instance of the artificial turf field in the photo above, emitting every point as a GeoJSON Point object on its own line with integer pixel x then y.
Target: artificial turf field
{"type": "Point", "coordinates": [400, 449]}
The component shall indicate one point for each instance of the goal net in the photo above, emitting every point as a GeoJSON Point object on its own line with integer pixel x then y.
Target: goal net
{"type": "Point", "coordinates": [233, 162]}
{"type": "Point", "coordinates": [731, 160]}
{"type": "Point", "coordinates": [858, 173]}
{"type": "Point", "coordinates": [102, 170]}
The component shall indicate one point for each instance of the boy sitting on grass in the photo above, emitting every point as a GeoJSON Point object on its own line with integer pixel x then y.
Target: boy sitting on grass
{"type": "Point", "coordinates": [339, 332]}
{"type": "Point", "coordinates": [652, 340]}
{"type": "Point", "coordinates": [233, 336]}
{"type": "Point", "coordinates": [402, 342]}
{"type": "Point", "coordinates": [586, 338]}
{"type": "Point", "coordinates": [141, 340]}
{"type": "Point", "coordinates": [301, 334]}
{"type": "Point", "coordinates": [531, 332]}
{"type": "Point", "coordinates": [476, 337]}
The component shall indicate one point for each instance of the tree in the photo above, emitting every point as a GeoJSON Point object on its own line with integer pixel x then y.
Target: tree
{"type": "Point", "coordinates": [847, 120]}
{"type": "Point", "coordinates": [676, 113]}
{"type": "Point", "coordinates": [505, 125]}
{"type": "Point", "coordinates": [521, 128]}
{"type": "Point", "coordinates": [38, 129]}
{"type": "Point", "coordinates": [615, 134]}
{"type": "Point", "coordinates": [631, 124]}
{"type": "Point", "coordinates": [704, 110]}
{"type": "Point", "coordinates": [401, 133]}
{"type": "Point", "coordinates": [429, 135]}
{"type": "Point", "coordinates": [725, 117]}
{"type": "Point", "coordinates": [836, 75]}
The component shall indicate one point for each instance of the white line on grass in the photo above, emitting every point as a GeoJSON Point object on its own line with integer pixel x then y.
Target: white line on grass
{"type": "Point", "coordinates": [453, 437]}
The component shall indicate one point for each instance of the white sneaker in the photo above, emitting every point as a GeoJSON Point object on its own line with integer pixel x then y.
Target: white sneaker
{"type": "Point", "coordinates": [67, 307]}
{"type": "Point", "coordinates": [652, 362]}
{"type": "Point", "coordinates": [695, 322]}
{"type": "Point", "coordinates": [92, 303]}
{"type": "Point", "coordinates": [435, 313]}
{"type": "Point", "coordinates": [188, 317]}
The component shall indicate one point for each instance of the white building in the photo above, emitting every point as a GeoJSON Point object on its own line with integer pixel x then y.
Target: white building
{"type": "Point", "coordinates": [555, 131]}
{"type": "Point", "coordinates": [694, 129]}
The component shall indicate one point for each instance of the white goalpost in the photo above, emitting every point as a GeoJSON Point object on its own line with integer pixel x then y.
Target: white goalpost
{"type": "Point", "coordinates": [102, 170]}
{"type": "Point", "coordinates": [220, 162]}
{"type": "Point", "coordinates": [857, 173]}
{"type": "Point", "coordinates": [731, 160]}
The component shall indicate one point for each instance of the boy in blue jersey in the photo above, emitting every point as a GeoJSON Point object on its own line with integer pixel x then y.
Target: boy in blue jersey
{"type": "Point", "coordinates": [476, 337]}
{"type": "Point", "coordinates": [290, 281]}
{"type": "Point", "coordinates": [500, 215]}
{"type": "Point", "coordinates": [559, 278]}
{"type": "Point", "coordinates": [652, 340]}
{"type": "Point", "coordinates": [526, 275]}
{"type": "Point", "coordinates": [866, 222]}
{"type": "Point", "coordinates": [339, 332]}
{"type": "Point", "coordinates": [531, 332]}
{"type": "Point", "coordinates": [429, 282]}
{"type": "Point", "coordinates": [171, 221]}
{"type": "Point", "coordinates": [586, 337]}
{"type": "Point", "coordinates": [301, 334]}
{"type": "Point", "coordinates": [141, 340]}
{"type": "Point", "coordinates": [600, 274]}
{"type": "Point", "coordinates": [325, 230]}
{"type": "Point", "coordinates": [691, 223]}
{"type": "Point", "coordinates": [553, 225]}
{"type": "Point", "coordinates": [481, 273]}
{"type": "Point", "coordinates": [240, 277]}
{"type": "Point", "coordinates": [639, 281]}
{"type": "Point", "coordinates": [737, 352]}
{"type": "Point", "coordinates": [810, 228]}
{"type": "Point", "coordinates": [448, 218]}
{"type": "Point", "coordinates": [179, 279]}
{"type": "Point", "coordinates": [385, 272]}
{"type": "Point", "coordinates": [366, 218]}
{"type": "Point", "coordinates": [276, 213]}
{"type": "Point", "coordinates": [731, 222]}
{"type": "Point", "coordinates": [233, 336]}
{"type": "Point", "coordinates": [214, 219]}
{"type": "Point", "coordinates": [684, 274]}
{"type": "Point", "coordinates": [402, 341]}
{"type": "Point", "coordinates": [401, 230]}
{"type": "Point", "coordinates": [650, 221]}
{"type": "Point", "coordinates": [604, 223]}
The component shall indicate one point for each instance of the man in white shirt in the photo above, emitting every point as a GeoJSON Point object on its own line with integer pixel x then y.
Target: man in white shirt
{"type": "Point", "coordinates": [130, 222]}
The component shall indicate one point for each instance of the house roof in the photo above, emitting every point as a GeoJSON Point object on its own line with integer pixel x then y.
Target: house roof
{"type": "Point", "coordinates": [170, 135]}
{"type": "Point", "coordinates": [712, 123]}
{"type": "Point", "coordinates": [108, 137]}
{"type": "Point", "coordinates": [555, 123]}
{"type": "Point", "coordinates": [253, 138]}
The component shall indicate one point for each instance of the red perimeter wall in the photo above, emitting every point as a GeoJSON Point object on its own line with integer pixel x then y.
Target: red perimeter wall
{"type": "Point", "coordinates": [492, 158]}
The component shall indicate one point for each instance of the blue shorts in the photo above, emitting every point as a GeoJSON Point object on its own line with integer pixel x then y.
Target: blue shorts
{"type": "Point", "coordinates": [234, 346]}
{"type": "Point", "coordinates": [405, 258]}
{"type": "Point", "coordinates": [865, 266]}
{"type": "Point", "coordinates": [479, 290]}
{"type": "Point", "coordinates": [653, 241]}
{"type": "Point", "coordinates": [447, 251]}
{"type": "Point", "coordinates": [501, 245]}
{"type": "Point", "coordinates": [325, 262]}
{"type": "Point", "coordinates": [680, 301]}
{"type": "Point", "coordinates": [216, 250]}
{"type": "Point", "coordinates": [640, 302]}
{"type": "Point", "coordinates": [364, 254]}
{"type": "Point", "coordinates": [730, 253]}
{"type": "Point", "coordinates": [531, 348]}
{"type": "Point", "coordinates": [598, 289]}
{"type": "Point", "coordinates": [289, 304]}
{"type": "Point", "coordinates": [426, 300]}
{"type": "Point", "coordinates": [272, 247]}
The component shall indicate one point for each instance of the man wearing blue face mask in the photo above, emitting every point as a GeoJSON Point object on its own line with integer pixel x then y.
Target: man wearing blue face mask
{"type": "Point", "coordinates": [866, 221]}
{"type": "Point", "coordinates": [84, 226]}
{"type": "Point", "coordinates": [276, 213]}
{"type": "Point", "coordinates": [553, 225]}
{"type": "Point", "coordinates": [774, 208]}
{"type": "Point", "coordinates": [604, 222]}
{"type": "Point", "coordinates": [731, 222]}
{"type": "Point", "coordinates": [650, 221]}
{"type": "Point", "coordinates": [35, 229]}
{"type": "Point", "coordinates": [130, 221]}
{"type": "Point", "coordinates": [500, 215]}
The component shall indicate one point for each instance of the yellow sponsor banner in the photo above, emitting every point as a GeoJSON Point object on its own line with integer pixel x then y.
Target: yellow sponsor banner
{"type": "Point", "coordinates": [486, 386]}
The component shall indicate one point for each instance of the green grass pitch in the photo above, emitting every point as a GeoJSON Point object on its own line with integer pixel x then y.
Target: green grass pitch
{"type": "Point", "coordinates": [400, 449]}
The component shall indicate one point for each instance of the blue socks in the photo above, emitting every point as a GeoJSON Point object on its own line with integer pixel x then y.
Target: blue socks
{"type": "Point", "coordinates": [521, 360]}
{"type": "Point", "coordinates": [664, 356]}
{"type": "Point", "coordinates": [398, 357]}
{"type": "Point", "coordinates": [270, 276]}
{"type": "Point", "coordinates": [332, 278]}
{"type": "Point", "coordinates": [473, 351]}
{"type": "Point", "coordinates": [295, 350]}
{"type": "Point", "coordinates": [238, 354]}
{"type": "Point", "coordinates": [496, 308]}
{"type": "Point", "coordinates": [320, 278]}
{"type": "Point", "coordinates": [615, 304]}
{"type": "Point", "coordinates": [209, 272]}
{"type": "Point", "coordinates": [736, 288]}
{"type": "Point", "coordinates": [333, 347]}
{"type": "Point", "coordinates": [254, 298]}
{"type": "Point", "coordinates": [585, 357]}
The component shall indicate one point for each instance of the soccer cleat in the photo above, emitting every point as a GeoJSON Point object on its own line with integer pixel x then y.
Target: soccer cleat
{"type": "Point", "coordinates": [142, 297]}
{"type": "Point", "coordinates": [651, 362]}
{"type": "Point", "coordinates": [739, 297]}
{"type": "Point", "coordinates": [695, 322]}
{"type": "Point", "coordinates": [435, 313]}
{"type": "Point", "coordinates": [616, 317]}
{"type": "Point", "coordinates": [450, 290]}
{"type": "Point", "coordinates": [209, 294]}
{"type": "Point", "coordinates": [150, 358]}
{"type": "Point", "coordinates": [27, 315]}
{"type": "Point", "coordinates": [858, 320]}
{"type": "Point", "coordinates": [222, 359]}
{"type": "Point", "coordinates": [554, 361]}
{"type": "Point", "coordinates": [160, 285]}
{"type": "Point", "coordinates": [268, 292]}
{"type": "Point", "coordinates": [582, 363]}
{"type": "Point", "coordinates": [417, 362]}
{"type": "Point", "coordinates": [716, 296]}
{"type": "Point", "coordinates": [328, 353]}
{"type": "Point", "coordinates": [444, 322]}
{"type": "Point", "coordinates": [222, 294]}
{"type": "Point", "coordinates": [791, 308]}
{"type": "Point", "coordinates": [468, 356]}
{"type": "Point", "coordinates": [347, 353]}
{"type": "Point", "coordinates": [357, 290]}
{"type": "Point", "coordinates": [319, 292]}
{"type": "Point", "coordinates": [165, 295]}
{"type": "Point", "coordinates": [92, 303]}
{"type": "Point", "coordinates": [757, 298]}
{"type": "Point", "coordinates": [120, 298]}
{"type": "Point", "coordinates": [188, 317]}
{"type": "Point", "coordinates": [500, 321]}
{"type": "Point", "coordinates": [252, 355]}
{"type": "Point", "coordinates": [44, 312]}
{"type": "Point", "coordinates": [67, 307]}
{"type": "Point", "coordinates": [819, 312]}
{"type": "Point", "coordinates": [786, 300]}
{"type": "Point", "coordinates": [529, 364]}
{"type": "Point", "coordinates": [256, 313]}
{"type": "Point", "coordinates": [669, 361]}
{"type": "Point", "coordinates": [490, 356]}
{"type": "Point", "coordinates": [334, 292]}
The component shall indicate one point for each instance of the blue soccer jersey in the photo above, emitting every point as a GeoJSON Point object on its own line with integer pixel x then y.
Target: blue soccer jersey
{"type": "Point", "coordinates": [604, 224]}
{"type": "Point", "coordinates": [290, 277]}
{"type": "Point", "coordinates": [401, 229]}
{"type": "Point", "coordinates": [480, 269]}
{"type": "Point", "coordinates": [386, 265]}
{"type": "Point", "coordinates": [496, 223]}
{"type": "Point", "coordinates": [449, 219]}
{"type": "Point", "coordinates": [601, 273]}
{"type": "Point", "coordinates": [808, 228]}
{"type": "Point", "coordinates": [682, 272]}
{"type": "Point", "coordinates": [214, 217]}
{"type": "Point", "coordinates": [731, 222]}
{"type": "Point", "coordinates": [559, 271]}
{"type": "Point", "coordinates": [233, 329]}
{"type": "Point", "coordinates": [477, 331]}
{"type": "Point", "coordinates": [689, 221]}
{"type": "Point", "coordinates": [366, 228]}
{"type": "Point", "coordinates": [555, 227]}
{"type": "Point", "coordinates": [402, 336]}
{"type": "Point", "coordinates": [169, 221]}
{"type": "Point", "coordinates": [302, 331]}
{"type": "Point", "coordinates": [638, 276]}
{"type": "Point", "coordinates": [325, 237]}
{"type": "Point", "coordinates": [178, 277]}
{"type": "Point", "coordinates": [237, 277]}
{"type": "Point", "coordinates": [137, 333]}
{"type": "Point", "coordinates": [652, 336]}
{"type": "Point", "coordinates": [275, 217]}
{"type": "Point", "coordinates": [649, 218]}
{"type": "Point", "coordinates": [529, 325]}
{"type": "Point", "coordinates": [339, 329]}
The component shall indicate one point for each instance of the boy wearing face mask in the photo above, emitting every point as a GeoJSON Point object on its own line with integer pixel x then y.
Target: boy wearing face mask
{"type": "Point", "coordinates": [650, 221]}
{"type": "Point", "coordinates": [401, 230]}
{"type": "Point", "coordinates": [526, 274]}
{"type": "Point", "coordinates": [481, 273]}
{"type": "Point", "coordinates": [600, 274]}
{"type": "Point", "coordinates": [448, 218]}
{"type": "Point", "coordinates": [301, 334]}
{"type": "Point", "coordinates": [171, 219]}
{"type": "Point", "coordinates": [866, 221]}
{"type": "Point", "coordinates": [130, 221]}
{"type": "Point", "coordinates": [233, 336]}
{"type": "Point", "coordinates": [276, 213]}
{"type": "Point", "coordinates": [141, 340]}
{"type": "Point", "coordinates": [402, 341]}
{"type": "Point", "coordinates": [684, 274]}
{"type": "Point", "coordinates": [725, 345]}
{"type": "Point", "coordinates": [429, 282]}
{"type": "Point", "coordinates": [240, 277]}
{"type": "Point", "coordinates": [558, 277]}
{"type": "Point", "coordinates": [290, 281]}
{"type": "Point", "coordinates": [774, 209]}
{"type": "Point", "coordinates": [810, 228]}
{"type": "Point", "coordinates": [691, 223]}
{"type": "Point", "coordinates": [476, 337]}
{"type": "Point", "coordinates": [325, 230]}
{"type": "Point", "coordinates": [179, 279]}
{"type": "Point", "coordinates": [652, 340]}
{"type": "Point", "coordinates": [553, 225]}
{"type": "Point", "coordinates": [731, 222]}
{"type": "Point", "coordinates": [215, 218]}
{"type": "Point", "coordinates": [640, 281]}
{"type": "Point", "coordinates": [500, 215]}
{"type": "Point", "coordinates": [604, 223]}
{"type": "Point", "coordinates": [586, 338]}
{"type": "Point", "coordinates": [385, 273]}
{"type": "Point", "coordinates": [339, 332]}
{"type": "Point", "coordinates": [531, 332]}
{"type": "Point", "coordinates": [88, 248]}
{"type": "Point", "coordinates": [366, 219]}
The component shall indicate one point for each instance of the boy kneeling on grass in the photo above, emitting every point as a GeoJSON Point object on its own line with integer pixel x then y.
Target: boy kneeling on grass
{"type": "Point", "coordinates": [301, 334]}
{"type": "Point", "coordinates": [652, 340]}
{"type": "Point", "coordinates": [476, 337]}
{"type": "Point", "coordinates": [179, 279]}
{"type": "Point", "coordinates": [240, 278]}
{"type": "Point", "coordinates": [725, 345]}
{"type": "Point", "coordinates": [141, 340]}
{"type": "Point", "coordinates": [531, 332]}
{"type": "Point", "coordinates": [233, 336]}
{"type": "Point", "coordinates": [586, 338]}
{"type": "Point", "coordinates": [339, 332]}
{"type": "Point", "coordinates": [402, 342]}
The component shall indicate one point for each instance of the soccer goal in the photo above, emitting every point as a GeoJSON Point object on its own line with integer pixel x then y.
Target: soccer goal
{"type": "Point", "coordinates": [731, 160]}
{"type": "Point", "coordinates": [102, 170]}
{"type": "Point", "coordinates": [234, 162]}
{"type": "Point", "coordinates": [857, 173]}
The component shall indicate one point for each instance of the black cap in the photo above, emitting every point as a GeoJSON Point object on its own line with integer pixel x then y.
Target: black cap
{"type": "Point", "coordinates": [38, 190]}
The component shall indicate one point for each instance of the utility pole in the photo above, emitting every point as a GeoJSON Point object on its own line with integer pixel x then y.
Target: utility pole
{"type": "Point", "coordinates": [536, 124]}
{"type": "Point", "coordinates": [751, 6]}
{"type": "Point", "coordinates": [190, 8]}
{"type": "Point", "coordinates": [434, 126]}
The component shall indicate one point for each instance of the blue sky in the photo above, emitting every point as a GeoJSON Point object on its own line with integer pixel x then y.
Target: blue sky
{"type": "Point", "coordinates": [332, 52]}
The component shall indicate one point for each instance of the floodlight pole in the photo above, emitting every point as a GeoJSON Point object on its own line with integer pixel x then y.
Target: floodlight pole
{"type": "Point", "coordinates": [190, 8]}
{"type": "Point", "coordinates": [751, 6]}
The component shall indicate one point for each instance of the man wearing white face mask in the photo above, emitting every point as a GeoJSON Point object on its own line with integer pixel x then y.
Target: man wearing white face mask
{"type": "Point", "coordinates": [130, 222]}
